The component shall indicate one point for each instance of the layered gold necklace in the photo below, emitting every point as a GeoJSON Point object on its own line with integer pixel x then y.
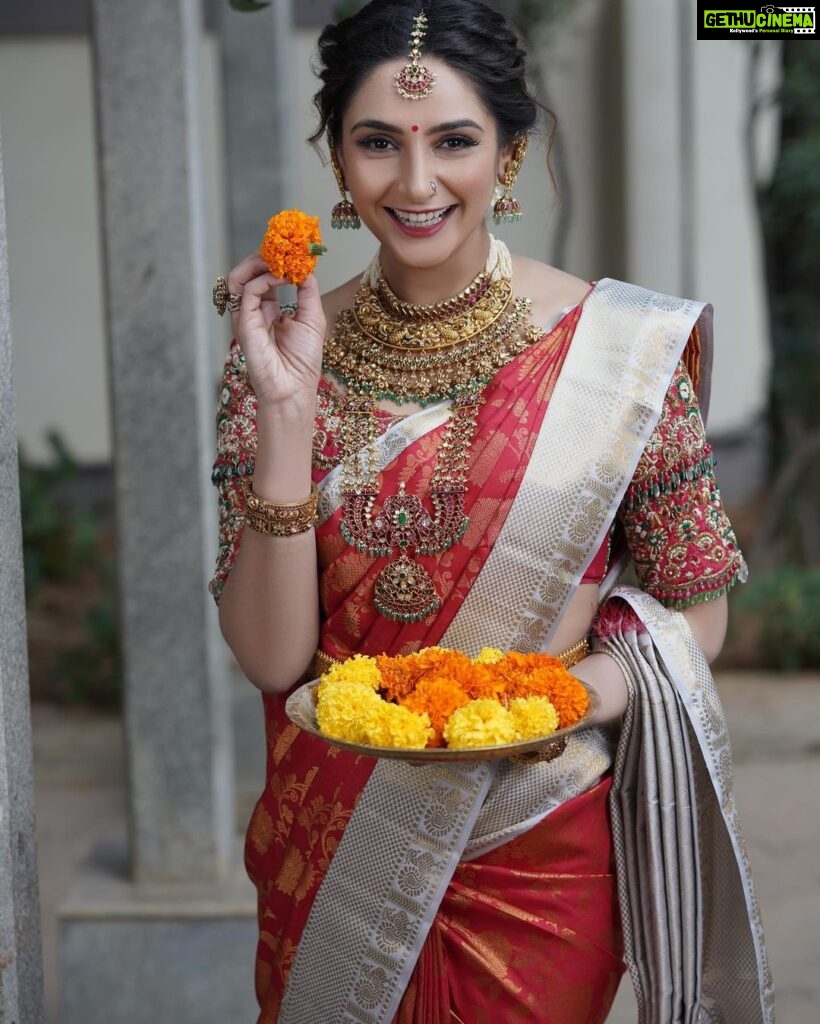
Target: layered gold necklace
{"type": "Point", "coordinates": [385, 349]}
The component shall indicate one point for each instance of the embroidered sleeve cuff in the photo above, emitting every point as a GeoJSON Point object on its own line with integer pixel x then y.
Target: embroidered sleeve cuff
{"type": "Point", "coordinates": [679, 536]}
{"type": "Point", "coordinates": [683, 545]}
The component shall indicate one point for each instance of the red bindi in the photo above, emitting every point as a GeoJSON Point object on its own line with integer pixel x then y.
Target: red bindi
{"type": "Point", "coordinates": [415, 127]}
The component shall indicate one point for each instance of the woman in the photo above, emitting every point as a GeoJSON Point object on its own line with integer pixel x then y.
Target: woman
{"type": "Point", "coordinates": [487, 438]}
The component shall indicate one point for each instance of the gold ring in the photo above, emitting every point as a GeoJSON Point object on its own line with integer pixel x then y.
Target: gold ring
{"type": "Point", "coordinates": [223, 299]}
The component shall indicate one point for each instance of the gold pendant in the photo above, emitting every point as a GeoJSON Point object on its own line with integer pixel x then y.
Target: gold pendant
{"type": "Point", "coordinates": [405, 591]}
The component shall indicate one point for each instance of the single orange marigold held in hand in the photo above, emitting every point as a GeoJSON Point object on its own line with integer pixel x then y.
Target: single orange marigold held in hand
{"type": "Point", "coordinates": [291, 246]}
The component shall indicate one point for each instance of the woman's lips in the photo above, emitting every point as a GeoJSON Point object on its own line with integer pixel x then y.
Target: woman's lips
{"type": "Point", "coordinates": [421, 230]}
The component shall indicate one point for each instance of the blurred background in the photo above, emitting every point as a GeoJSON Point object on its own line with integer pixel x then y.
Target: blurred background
{"type": "Point", "coordinates": [686, 166]}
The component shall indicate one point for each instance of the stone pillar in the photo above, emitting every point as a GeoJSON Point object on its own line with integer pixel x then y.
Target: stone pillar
{"type": "Point", "coordinates": [176, 698]}
{"type": "Point", "coordinates": [21, 974]}
{"type": "Point", "coordinates": [656, 149]}
{"type": "Point", "coordinates": [168, 932]}
{"type": "Point", "coordinates": [258, 91]}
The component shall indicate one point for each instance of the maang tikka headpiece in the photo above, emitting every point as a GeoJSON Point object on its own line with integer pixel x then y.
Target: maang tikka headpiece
{"type": "Point", "coordinates": [415, 81]}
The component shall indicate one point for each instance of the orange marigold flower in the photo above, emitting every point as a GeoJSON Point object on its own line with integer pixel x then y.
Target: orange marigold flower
{"type": "Point", "coordinates": [570, 700]}
{"type": "Point", "coordinates": [438, 698]}
{"type": "Point", "coordinates": [291, 245]}
{"type": "Point", "coordinates": [485, 682]}
{"type": "Point", "coordinates": [402, 673]}
{"type": "Point", "coordinates": [542, 675]}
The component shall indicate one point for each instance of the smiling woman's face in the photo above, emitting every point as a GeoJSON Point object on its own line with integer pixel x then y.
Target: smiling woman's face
{"type": "Point", "coordinates": [392, 149]}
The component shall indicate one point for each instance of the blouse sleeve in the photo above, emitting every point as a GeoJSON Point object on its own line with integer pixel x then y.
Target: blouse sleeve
{"type": "Point", "coordinates": [678, 533]}
{"type": "Point", "coordinates": [235, 449]}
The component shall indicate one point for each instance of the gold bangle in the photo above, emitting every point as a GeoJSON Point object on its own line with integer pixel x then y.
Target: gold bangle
{"type": "Point", "coordinates": [280, 519]}
{"type": "Point", "coordinates": [572, 655]}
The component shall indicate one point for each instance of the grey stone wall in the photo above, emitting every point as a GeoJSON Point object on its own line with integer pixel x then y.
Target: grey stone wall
{"type": "Point", "coordinates": [21, 986]}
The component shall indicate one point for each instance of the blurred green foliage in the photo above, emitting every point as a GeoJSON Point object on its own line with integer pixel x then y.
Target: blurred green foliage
{"type": "Point", "coordinates": [790, 217]}
{"type": "Point", "coordinates": [70, 590]}
{"type": "Point", "coordinates": [55, 546]}
{"type": "Point", "coordinates": [781, 611]}
{"type": "Point", "coordinates": [248, 5]}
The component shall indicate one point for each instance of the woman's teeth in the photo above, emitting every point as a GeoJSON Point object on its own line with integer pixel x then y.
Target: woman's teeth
{"type": "Point", "coordinates": [414, 220]}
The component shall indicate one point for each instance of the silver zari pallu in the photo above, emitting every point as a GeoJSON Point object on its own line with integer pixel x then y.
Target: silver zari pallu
{"type": "Point", "coordinates": [412, 825]}
{"type": "Point", "coordinates": [693, 933]}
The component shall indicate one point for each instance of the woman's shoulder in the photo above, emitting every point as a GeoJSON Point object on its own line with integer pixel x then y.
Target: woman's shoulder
{"type": "Point", "coordinates": [333, 302]}
{"type": "Point", "coordinates": [551, 290]}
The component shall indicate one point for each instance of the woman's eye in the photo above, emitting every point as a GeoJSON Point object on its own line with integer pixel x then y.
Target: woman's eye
{"type": "Point", "coordinates": [377, 143]}
{"type": "Point", "coordinates": [458, 142]}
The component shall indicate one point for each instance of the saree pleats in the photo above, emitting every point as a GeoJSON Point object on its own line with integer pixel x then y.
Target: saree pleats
{"type": "Point", "coordinates": [692, 926]}
{"type": "Point", "coordinates": [529, 933]}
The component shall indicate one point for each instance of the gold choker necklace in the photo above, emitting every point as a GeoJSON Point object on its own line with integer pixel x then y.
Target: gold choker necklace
{"type": "Point", "coordinates": [391, 350]}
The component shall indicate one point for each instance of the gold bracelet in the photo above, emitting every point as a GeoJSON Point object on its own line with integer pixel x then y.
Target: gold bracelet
{"type": "Point", "coordinates": [280, 519]}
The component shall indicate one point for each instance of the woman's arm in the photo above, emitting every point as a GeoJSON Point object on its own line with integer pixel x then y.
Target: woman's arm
{"type": "Point", "coordinates": [269, 601]}
{"type": "Point", "coordinates": [269, 609]}
{"type": "Point", "coordinates": [708, 622]}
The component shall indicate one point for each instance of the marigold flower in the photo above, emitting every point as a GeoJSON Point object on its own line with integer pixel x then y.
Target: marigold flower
{"type": "Point", "coordinates": [534, 717]}
{"type": "Point", "coordinates": [488, 656]}
{"type": "Point", "coordinates": [342, 709]}
{"type": "Point", "coordinates": [391, 725]}
{"type": "Point", "coordinates": [570, 700]}
{"type": "Point", "coordinates": [358, 669]}
{"type": "Point", "coordinates": [291, 245]}
{"type": "Point", "coordinates": [481, 723]}
{"type": "Point", "coordinates": [485, 682]}
{"type": "Point", "coordinates": [401, 674]}
{"type": "Point", "coordinates": [438, 698]}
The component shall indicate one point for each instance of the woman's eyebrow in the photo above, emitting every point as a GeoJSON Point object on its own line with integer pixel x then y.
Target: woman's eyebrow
{"type": "Point", "coordinates": [447, 126]}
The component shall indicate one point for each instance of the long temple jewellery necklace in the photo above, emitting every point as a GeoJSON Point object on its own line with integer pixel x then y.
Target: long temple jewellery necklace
{"type": "Point", "coordinates": [383, 348]}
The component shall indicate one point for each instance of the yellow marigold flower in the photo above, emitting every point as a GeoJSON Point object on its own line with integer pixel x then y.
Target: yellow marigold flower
{"type": "Point", "coordinates": [342, 708]}
{"type": "Point", "coordinates": [291, 245]}
{"type": "Point", "coordinates": [358, 669]}
{"type": "Point", "coordinates": [488, 656]}
{"type": "Point", "coordinates": [390, 725]}
{"type": "Point", "coordinates": [534, 717]}
{"type": "Point", "coordinates": [481, 723]}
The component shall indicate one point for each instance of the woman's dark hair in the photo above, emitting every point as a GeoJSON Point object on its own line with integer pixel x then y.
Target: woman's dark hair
{"type": "Point", "coordinates": [468, 35]}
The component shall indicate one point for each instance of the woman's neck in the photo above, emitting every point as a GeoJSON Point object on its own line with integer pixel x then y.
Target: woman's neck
{"type": "Point", "coordinates": [427, 285]}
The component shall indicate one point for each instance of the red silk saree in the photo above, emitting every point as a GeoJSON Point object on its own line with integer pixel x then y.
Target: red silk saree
{"type": "Point", "coordinates": [548, 897]}
{"type": "Point", "coordinates": [526, 930]}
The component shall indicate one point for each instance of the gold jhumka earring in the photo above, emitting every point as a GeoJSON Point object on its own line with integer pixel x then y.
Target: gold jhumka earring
{"type": "Point", "coordinates": [415, 81]}
{"type": "Point", "coordinates": [507, 210]}
{"type": "Point", "coordinates": [344, 214]}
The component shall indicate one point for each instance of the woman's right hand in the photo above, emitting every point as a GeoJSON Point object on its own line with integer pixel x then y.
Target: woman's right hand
{"type": "Point", "coordinates": [283, 354]}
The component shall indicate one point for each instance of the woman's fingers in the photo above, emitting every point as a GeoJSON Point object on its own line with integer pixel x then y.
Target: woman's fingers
{"type": "Point", "coordinates": [309, 309]}
{"type": "Point", "coordinates": [271, 312]}
{"type": "Point", "coordinates": [252, 266]}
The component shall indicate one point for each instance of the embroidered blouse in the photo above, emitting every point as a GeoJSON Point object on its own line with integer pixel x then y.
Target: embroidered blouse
{"type": "Point", "coordinates": [677, 532]}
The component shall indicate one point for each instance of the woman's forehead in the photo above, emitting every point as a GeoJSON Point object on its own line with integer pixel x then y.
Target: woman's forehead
{"type": "Point", "coordinates": [453, 98]}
